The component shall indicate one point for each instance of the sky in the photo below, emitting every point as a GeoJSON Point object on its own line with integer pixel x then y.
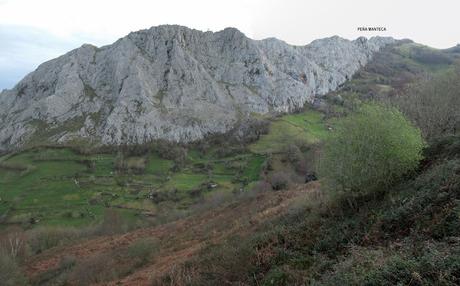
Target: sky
{"type": "Point", "coordinates": [34, 31]}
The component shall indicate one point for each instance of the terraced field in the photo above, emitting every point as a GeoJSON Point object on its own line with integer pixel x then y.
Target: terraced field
{"type": "Point", "coordinates": [56, 186]}
{"type": "Point", "coordinates": [61, 186]}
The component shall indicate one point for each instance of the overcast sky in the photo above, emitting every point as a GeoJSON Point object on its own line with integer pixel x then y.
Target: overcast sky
{"type": "Point", "coordinates": [33, 31]}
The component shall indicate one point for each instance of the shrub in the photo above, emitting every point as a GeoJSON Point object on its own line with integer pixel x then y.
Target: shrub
{"type": "Point", "coordinates": [170, 151]}
{"type": "Point", "coordinates": [142, 250]}
{"type": "Point", "coordinates": [227, 150]}
{"type": "Point", "coordinates": [12, 242]}
{"type": "Point", "coordinates": [279, 181]}
{"type": "Point", "coordinates": [433, 104]}
{"type": "Point", "coordinates": [10, 274]}
{"type": "Point", "coordinates": [431, 268]}
{"type": "Point", "coordinates": [295, 156]}
{"type": "Point", "coordinates": [250, 130]}
{"type": "Point", "coordinates": [369, 150]}
{"type": "Point", "coordinates": [177, 275]}
{"type": "Point", "coordinates": [262, 186]}
{"type": "Point", "coordinates": [43, 238]}
{"type": "Point", "coordinates": [158, 196]}
{"type": "Point", "coordinates": [277, 276]}
{"type": "Point", "coordinates": [212, 200]}
{"type": "Point", "coordinates": [433, 210]}
{"type": "Point", "coordinates": [67, 262]}
{"type": "Point", "coordinates": [443, 148]}
{"type": "Point", "coordinates": [95, 269]}
{"type": "Point", "coordinates": [120, 164]}
{"type": "Point", "coordinates": [112, 223]}
{"type": "Point", "coordinates": [136, 165]}
{"type": "Point", "coordinates": [55, 276]}
{"type": "Point", "coordinates": [125, 164]}
{"type": "Point", "coordinates": [230, 261]}
{"type": "Point", "coordinates": [108, 266]}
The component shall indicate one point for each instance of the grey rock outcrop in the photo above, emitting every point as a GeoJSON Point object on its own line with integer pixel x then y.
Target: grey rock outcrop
{"type": "Point", "coordinates": [173, 83]}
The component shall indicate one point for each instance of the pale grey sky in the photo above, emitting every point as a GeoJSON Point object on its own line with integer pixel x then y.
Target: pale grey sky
{"type": "Point", "coordinates": [33, 31]}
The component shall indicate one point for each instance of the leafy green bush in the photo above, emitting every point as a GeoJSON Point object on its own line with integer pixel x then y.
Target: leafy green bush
{"type": "Point", "coordinates": [409, 236]}
{"type": "Point", "coordinates": [369, 149]}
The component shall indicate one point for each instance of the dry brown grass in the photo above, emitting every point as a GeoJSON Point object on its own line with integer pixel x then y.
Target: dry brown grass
{"type": "Point", "coordinates": [178, 241]}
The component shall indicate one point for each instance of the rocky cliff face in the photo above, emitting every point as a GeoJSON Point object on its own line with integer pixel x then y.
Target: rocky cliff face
{"type": "Point", "coordinates": [173, 83]}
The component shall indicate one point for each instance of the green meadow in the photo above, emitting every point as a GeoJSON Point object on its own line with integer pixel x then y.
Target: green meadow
{"type": "Point", "coordinates": [60, 186]}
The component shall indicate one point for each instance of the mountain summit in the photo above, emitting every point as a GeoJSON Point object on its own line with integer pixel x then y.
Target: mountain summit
{"type": "Point", "coordinates": [174, 83]}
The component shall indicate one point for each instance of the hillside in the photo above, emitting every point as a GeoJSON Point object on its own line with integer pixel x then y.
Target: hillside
{"type": "Point", "coordinates": [245, 207]}
{"type": "Point", "coordinates": [173, 83]}
{"type": "Point", "coordinates": [408, 236]}
{"type": "Point", "coordinates": [283, 238]}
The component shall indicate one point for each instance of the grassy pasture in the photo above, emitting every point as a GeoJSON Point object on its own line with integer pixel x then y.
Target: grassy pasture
{"type": "Point", "coordinates": [58, 186]}
{"type": "Point", "coordinates": [301, 128]}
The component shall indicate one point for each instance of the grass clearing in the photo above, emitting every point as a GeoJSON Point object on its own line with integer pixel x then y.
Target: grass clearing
{"type": "Point", "coordinates": [186, 181]}
{"type": "Point", "coordinates": [157, 166]}
{"type": "Point", "coordinates": [303, 128]}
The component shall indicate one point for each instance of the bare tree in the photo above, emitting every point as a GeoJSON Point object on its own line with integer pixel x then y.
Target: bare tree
{"type": "Point", "coordinates": [12, 243]}
{"type": "Point", "coordinates": [433, 104]}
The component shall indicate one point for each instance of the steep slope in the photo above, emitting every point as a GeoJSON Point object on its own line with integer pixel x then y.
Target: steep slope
{"type": "Point", "coordinates": [173, 83]}
{"type": "Point", "coordinates": [299, 236]}
{"type": "Point", "coordinates": [177, 241]}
